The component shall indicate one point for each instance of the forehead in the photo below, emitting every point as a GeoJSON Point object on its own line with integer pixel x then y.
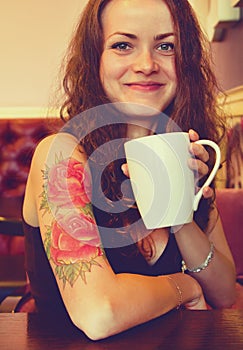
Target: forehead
{"type": "Point", "coordinates": [136, 15]}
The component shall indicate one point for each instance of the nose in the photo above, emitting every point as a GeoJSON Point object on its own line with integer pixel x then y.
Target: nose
{"type": "Point", "coordinates": [145, 63]}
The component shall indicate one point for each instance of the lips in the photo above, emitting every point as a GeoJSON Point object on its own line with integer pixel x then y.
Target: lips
{"type": "Point", "coordinates": [144, 86]}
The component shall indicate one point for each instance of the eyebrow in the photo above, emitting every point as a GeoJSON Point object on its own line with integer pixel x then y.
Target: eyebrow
{"type": "Point", "coordinates": [130, 36]}
{"type": "Point", "coordinates": [133, 36]}
{"type": "Point", "coordinates": [163, 36]}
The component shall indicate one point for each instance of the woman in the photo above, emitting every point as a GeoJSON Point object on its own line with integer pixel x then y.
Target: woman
{"type": "Point", "coordinates": [136, 52]}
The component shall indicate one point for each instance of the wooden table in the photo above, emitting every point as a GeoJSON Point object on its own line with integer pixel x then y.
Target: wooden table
{"type": "Point", "coordinates": [178, 330]}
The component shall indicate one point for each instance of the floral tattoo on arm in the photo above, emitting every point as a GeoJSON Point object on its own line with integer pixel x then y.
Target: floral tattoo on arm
{"type": "Point", "coordinates": [72, 240]}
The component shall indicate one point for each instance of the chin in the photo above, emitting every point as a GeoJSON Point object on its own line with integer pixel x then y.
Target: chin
{"type": "Point", "coordinates": [138, 109]}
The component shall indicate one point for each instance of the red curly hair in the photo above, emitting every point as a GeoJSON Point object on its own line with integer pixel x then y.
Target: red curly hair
{"type": "Point", "coordinates": [195, 103]}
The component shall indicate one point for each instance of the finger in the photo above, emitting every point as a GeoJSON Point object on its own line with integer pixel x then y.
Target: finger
{"type": "Point", "coordinates": [199, 167]}
{"type": "Point", "coordinates": [124, 169]}
{"type": "Point", "coordinates": [208, 192]}
{"type": "Point", "coordinates": [197, 304]}
{"type": "Point", "coordinates": [199, 151]}
{"type": "Point", "coordinates": [193, 135]}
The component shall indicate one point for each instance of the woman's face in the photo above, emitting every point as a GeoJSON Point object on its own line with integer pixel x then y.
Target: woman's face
{"type": "Point", "coordinates": [138, 58]}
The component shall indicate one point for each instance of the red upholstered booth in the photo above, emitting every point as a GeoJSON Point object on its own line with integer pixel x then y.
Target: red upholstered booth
{"type": "Point", "coordinates": [18, 139]}
{"type": "Point", "coordinates": [230, 206]}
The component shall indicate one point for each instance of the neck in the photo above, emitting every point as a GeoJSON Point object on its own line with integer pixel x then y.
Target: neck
{"type": "Point", "coordinates": [140, 127]}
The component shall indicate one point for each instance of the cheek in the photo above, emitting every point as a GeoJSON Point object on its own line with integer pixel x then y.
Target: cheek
{"type": "Point", "coordinates": [111, 68]}
{"type": "Point", "coordinates": [101, 71]}
{"type": "Point", "coordinates": [171, 69]}
{"type": "Point", "coordinates": [105, 72]}
{"type": "Point", "coordinates": [106, 77]}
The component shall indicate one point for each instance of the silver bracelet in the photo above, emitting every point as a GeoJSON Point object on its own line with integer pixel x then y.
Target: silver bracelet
{"type": "Point", "coordinates": [203, 265]}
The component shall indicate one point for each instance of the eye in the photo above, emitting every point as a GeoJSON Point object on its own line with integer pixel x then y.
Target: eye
{"type": "Point", "coordinates": [121, 46]}
{"type": "Point", "coordinates": [166, 48]}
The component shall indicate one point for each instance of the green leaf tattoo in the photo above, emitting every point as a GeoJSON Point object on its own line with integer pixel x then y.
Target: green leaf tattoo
{"type": "Point", "coordinates": [72, 240]}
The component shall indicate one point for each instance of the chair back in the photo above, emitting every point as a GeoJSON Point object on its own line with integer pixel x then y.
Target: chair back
{"type": "Point", "coordinates": [230, 205]}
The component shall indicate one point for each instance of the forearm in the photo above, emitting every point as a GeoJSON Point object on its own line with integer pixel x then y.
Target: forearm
{"type": "Point", "coordinates": [218, 278]}
{"type": "Point", "coordinates": [125, 300]}
{"type": "Point", "coordinates": [151, 297]}
{"type": "Point", "coordinates": [138, 299]}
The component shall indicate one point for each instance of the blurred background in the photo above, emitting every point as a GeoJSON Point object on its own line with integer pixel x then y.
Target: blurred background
{"type": "Point", "coordinates": [34, 36]}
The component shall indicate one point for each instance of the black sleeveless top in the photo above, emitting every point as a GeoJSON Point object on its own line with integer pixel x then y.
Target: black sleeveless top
{"type": "Point", "coordinates": [42, 281]}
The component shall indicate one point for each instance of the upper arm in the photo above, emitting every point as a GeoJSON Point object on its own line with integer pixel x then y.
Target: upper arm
{"type": "Point", "coordinates": [59, 187]}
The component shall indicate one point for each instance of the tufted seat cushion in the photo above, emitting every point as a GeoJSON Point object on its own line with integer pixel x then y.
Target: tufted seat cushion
{"type": "Point", "coordinates": [230, 206]}
{"type": "Point", "coordinates": [18, 140]}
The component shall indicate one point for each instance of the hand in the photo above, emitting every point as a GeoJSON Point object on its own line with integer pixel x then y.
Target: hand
{"type": "Point", "coordinates": [197, 304]}
{"type": "Point", "coordinates": [190, 290]}
{"type": "Point", "coordinates": [198, 163]}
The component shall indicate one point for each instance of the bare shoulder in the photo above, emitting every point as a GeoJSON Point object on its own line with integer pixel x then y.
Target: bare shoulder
{"type": "Point", "coordinates": [52, 149]}
{"type": "Point", "coordinates": [52, 152]}
{"type": "Point", "coordinates": [62, 143]}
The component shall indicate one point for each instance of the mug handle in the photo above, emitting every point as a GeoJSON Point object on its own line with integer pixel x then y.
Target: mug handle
{"type": "Point", "coordinates": [216, 148]}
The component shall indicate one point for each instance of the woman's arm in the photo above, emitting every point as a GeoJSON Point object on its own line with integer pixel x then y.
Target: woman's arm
{"type": "Point", "coordinates": [218, 278]}
{"type": "Point", "coordinates": [99, 302]}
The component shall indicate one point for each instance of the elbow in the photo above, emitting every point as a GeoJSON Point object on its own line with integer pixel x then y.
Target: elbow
{"type": "Point", "coordinates": [226, 300]}
{"type": "Point", "coordinates": [98, 327]}
{"type": "Point", "coordinates": [227, 303]}
{"type": "Point", "coordinates": [96, 324]}
{"type": "Point", "coordinates": [230, 300]}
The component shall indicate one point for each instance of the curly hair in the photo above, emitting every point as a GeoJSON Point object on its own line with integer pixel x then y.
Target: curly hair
{"type": "Point", "coordinates": [195, 102]}
{"type": "Point", "coordinates": [234, 156]}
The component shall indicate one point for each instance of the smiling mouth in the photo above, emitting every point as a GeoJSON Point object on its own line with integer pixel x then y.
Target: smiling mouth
{"type": "Point", "coordinates": [144, 86]}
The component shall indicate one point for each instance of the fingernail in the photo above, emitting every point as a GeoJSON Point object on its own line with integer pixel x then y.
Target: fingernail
{"type": "Point", "coordinates": [206, 189]}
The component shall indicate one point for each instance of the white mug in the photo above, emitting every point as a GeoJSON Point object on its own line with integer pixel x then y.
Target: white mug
{"type": "Point", "coordinates": [162, 182]}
